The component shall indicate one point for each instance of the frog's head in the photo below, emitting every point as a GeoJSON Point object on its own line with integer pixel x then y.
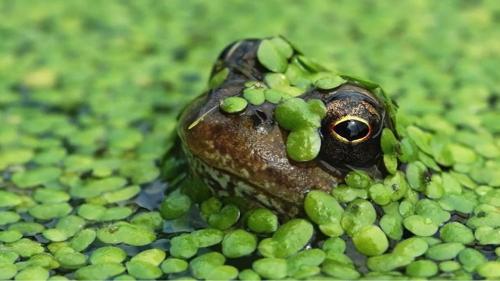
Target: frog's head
{"type": "Point", "coordinates": [352, 127]}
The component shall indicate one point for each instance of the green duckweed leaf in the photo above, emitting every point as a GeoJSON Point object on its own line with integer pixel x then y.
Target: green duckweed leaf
{"type": "Point", "coordinates": [233, 104]}
{"type": "Point", "coordinates": [359, 213]}
{"type": "Point", "coordinates": [102, 271]}
{"type": "Point", "coordinates": [254, 96]}
{"type": "Point", "coordinates": [262, 221]}
{"type": "Point", "coordinates": [218, 78]}
{"type": "Point", "coordinates": [238, 243]}
{"type": "Point", "coordinates": [108, 254]}
{"type": "Point", "coordinates": [303, 145]}
{"type": "Point", "coordinates": [143, 270]}
{"type": "Point", "coordinates": [34, 177]}
{"type": "Point", "coordinates": [444, 251]}
{"type": "Point", "coordinates": [173, 265]}
{"type": "Point", "coordinates": [290, 238]}
{"type": "Point", "coordinates": [420, 226]}
{"type": "Point", "coordinates": [272, 56]}
{"type": "Point", "coordinates": [270, 268]}
{"type": "Point", "coordinates": [370, 240]}
{"type": "Point", "coordinates": [422, 269]}
{"type": "Point", "coordinates": [202, 265]}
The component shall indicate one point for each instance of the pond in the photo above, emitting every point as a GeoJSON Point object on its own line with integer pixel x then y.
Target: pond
{"type": "Point", "coordinates": [94, 184]}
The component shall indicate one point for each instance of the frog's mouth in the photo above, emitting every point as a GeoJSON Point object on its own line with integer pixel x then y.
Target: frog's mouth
{"type": "Point", "coordinates": [224, 183]}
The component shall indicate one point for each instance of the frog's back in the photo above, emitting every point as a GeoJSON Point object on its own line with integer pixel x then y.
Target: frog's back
{"type": "Point", "coordinates": [245, 154]}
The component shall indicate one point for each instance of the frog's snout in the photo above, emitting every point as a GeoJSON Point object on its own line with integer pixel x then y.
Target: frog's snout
{"type": "Point", "coordinates": [352, 128]}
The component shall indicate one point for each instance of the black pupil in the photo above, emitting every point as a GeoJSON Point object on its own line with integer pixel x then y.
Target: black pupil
{"type": "Point", "coordinates": [352, 129]}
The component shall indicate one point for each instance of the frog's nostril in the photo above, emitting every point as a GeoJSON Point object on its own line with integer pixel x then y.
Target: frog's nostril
{"type": "Point", "coordinates": [351, 129]}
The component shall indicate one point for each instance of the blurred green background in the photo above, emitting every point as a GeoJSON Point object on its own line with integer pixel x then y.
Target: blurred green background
{"type": "Point", "coordinates": [90, 90]}
{"type": "Point", "coordinates": [160, 52]}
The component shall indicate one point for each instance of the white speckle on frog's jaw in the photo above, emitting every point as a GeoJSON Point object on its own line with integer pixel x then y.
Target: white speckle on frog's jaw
{"type": "Point", "coordinates": [225, 184]}
{"type": "Point", "coordinates": [210, 144]}
{"type": "Point", "coordinates": [245, 173]}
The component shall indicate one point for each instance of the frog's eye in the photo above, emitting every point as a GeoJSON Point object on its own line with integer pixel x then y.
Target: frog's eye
{"type": "Point", "coordinates": [351, 129]}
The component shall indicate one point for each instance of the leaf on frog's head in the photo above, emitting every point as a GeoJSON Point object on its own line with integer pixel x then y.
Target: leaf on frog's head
{"type": "Point", "coordinates": [218, 78]}
{"type": "Point", "coordinates": [271, 56]}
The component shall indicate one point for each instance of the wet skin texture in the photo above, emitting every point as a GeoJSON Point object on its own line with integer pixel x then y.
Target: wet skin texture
{"type": "Point", "coordinates": [245, 155]}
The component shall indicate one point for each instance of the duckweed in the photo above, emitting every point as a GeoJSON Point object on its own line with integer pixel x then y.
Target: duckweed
{"type": "Point", "coordinates": [274, 96]}
{"type": "Point", "coordinates": [271, 268]}
{"type": "Point", "coordinates": [238, 243]}
{"type": "Point", "coordinates": [83, 239]}
{"type": "Point", "coordinates": [143, 270]}
{"type": "Point", "coordinates": [7, 217]}
{"type": "Point", "coordinates": [490, 269]}
{"type": "Point", "coordinates": [70, 259]}
{"type": "Point", "coordinates": [50, 211]}
{"type": "Point", "coordinates": [7, 271]}
{"type": "Point", "coordinates": [345, 194]}
{"type": "Point", "coordinates": [108, 254]}
{"type": "Point", "coordinates": [33, 273]}
{"type": "Point", "coordinates": [370, 240]}
{"type": "Point", "coordinates": [223, 272]}
{"type": "Point", "coordinates": [8, 236]}
{"type": "Point", "coordinates": [173, 265]}
{"type": "Point", "coordinates": [233, 104]}
{"type": "Point", "coordinates": [303, 120]}
{"type": "Point", "coordinates": [449, 266]}
{"type": "Point", "coordinates": [152, 256]}
{"type": "Point", "coordinates": [305, 263]}
{"type": "Point", "coordinates": [218, 78]}
{"type": "Point", "coordinates": [411, 247]}
{"type": "Point", "coordinates": [334, 244]}
{"type": "Point", "coordinates": [380, 194]}
{"type": "Point", "coordinates": [254, 96]}
{"type": "Point", "coordinates": [101, 271]}
{"type": "Point", "coordinates": [456, 232]}
{"type": "Point", "coordinates": [388, 262]}
{"type": "Point", "coordinates": [183, 246]}
{"type": "Point", "coordinates": [274, 55]}
{"type": "Point", "coordinates": [54, 234]}
{"type": "Point", "coordinates": [303, 144]}
{"type": "Point", "coordinates": [224, 219]}
{"type": "Point", "coordinates": [420, 226]}
{"type": "Point", "coordinates": [358, 179]}
{"type": "Point", "coordinates": [358, 214]}
{"type": "Point", "coordinates": [471, 259]}
{"type": "Point", "coordinates": [262, 221]}
{"type": "Point", "coordinates": [295, 113]}
{"type": "Point", "coordinates": [80, 151]}
{"type": "Point", "coordinates": [130, 234]}
{"type": "Point", "coordinates": [340, 271]}
{"type": "Point", "coordinates": [24, 247]}
{"type": "Point", "coordinates": [422, 269]}
{"type": "Point", "coordinates": [288, 239]}
{"type": "Point", "coordinates": [203, 264]}
{"type": "Point", "coordinates": [325, 211]}
{"type": "Point", "coordinates": [329, 82]}
{"type": "Point", "coordinates": [175, 205]}
{"type": "Point", "coordinates": [444, 251]}
{"type": "Point", "coordinates": [207, 237]}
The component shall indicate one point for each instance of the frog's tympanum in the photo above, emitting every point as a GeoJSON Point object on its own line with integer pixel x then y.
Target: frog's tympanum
{"type": "Point", "coordinates": [240, 142]}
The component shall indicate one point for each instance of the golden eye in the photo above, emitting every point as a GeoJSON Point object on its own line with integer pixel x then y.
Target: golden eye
{"type": "Point", "coordinates": [351, 129]}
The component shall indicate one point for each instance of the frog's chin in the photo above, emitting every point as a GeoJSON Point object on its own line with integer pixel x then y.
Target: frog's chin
{"type": "Point", "coordinates": [224, 184]}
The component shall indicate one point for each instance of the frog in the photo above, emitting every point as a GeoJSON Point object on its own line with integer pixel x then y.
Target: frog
{"type": "Point", "coordinates": [244, 154]}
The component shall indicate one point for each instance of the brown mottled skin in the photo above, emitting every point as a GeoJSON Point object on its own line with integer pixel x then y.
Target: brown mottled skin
{"type": "Point", "coordinates": [250, 146]}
